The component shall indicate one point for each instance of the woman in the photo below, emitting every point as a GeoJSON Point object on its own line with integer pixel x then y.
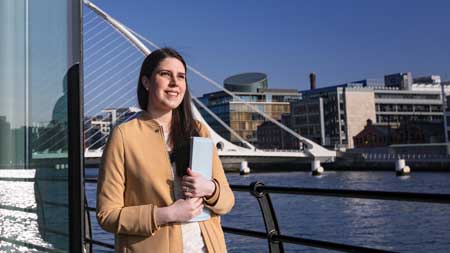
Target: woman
{"type": "Point", "coordinates": [140, 197]}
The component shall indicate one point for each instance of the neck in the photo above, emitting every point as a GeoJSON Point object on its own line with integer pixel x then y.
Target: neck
{"type": "Point", "coordinates": [164, 119]}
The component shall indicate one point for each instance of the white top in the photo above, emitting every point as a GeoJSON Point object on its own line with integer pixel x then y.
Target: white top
{"type": "Point", "coordinates": [190, 231]}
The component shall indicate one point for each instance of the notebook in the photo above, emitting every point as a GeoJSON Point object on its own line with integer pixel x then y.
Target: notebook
{"type": "Point", "coordinates": [201, 154]}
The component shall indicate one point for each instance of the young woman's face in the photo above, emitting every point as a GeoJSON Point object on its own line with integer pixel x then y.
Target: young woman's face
{"type": "Point", "coordinates": [167, 85]}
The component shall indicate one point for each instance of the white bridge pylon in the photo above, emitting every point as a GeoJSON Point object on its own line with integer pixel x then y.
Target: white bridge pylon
{"type": "Point", "coordinates": [311, 150]}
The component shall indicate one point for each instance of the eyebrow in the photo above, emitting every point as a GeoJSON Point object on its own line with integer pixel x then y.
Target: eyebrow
{"type": "Point", "coordinates": [171, 71]}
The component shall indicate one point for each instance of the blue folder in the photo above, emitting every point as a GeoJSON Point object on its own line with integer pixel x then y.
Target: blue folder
{"type": "Point", "coordinates": [201, 162]}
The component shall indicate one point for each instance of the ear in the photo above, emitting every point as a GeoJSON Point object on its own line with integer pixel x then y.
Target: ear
{"type": "Point", "coordinates": [145, 82]}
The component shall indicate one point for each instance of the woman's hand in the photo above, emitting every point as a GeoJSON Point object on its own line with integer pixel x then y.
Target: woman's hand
{"type": "Point", "coordinates": [180, 211]}
{"type": "Point", "coordinates": [194, 185]}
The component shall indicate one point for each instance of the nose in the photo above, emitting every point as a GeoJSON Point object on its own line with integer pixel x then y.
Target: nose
{"type": "Point", "coordinates": [173, 81]}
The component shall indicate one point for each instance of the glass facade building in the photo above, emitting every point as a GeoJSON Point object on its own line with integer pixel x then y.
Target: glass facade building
{"type": "Point", "coordinates": [241, 118]}
{"type": "Point", "coordinates": [40, 42]}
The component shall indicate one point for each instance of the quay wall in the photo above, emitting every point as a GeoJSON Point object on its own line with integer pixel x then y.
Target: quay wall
{"type": "Point", "coordinates": [419, 157]}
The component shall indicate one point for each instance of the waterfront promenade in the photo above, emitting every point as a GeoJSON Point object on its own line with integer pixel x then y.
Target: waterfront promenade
{"type": "Point", "coordinates": [389, 225]}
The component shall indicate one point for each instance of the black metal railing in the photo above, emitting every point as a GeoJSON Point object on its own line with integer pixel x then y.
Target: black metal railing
{"type": "Point", "coordinates": [272, 234]}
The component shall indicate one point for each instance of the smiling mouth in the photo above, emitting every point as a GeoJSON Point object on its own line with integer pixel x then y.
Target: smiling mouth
{"type": "Point", "coordinates": [172, 93]}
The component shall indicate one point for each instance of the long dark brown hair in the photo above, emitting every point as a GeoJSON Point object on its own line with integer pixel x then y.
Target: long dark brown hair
{"type": "Point", "coordinates": [183, 125]}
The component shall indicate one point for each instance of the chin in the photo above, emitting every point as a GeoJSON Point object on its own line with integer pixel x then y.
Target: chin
{"type": "Point", "coordinates": [173, 105]}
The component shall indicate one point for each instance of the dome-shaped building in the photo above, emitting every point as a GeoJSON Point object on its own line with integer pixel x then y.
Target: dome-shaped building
{"type": "Point", "coordinates": [246, 82]}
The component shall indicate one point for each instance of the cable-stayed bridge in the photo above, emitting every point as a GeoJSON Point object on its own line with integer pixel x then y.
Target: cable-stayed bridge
{"type": "Point", "coordinates": [113, 54]}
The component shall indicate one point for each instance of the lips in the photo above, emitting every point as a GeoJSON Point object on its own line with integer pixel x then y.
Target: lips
{"type": "Point", "coordinates": [172, 93]}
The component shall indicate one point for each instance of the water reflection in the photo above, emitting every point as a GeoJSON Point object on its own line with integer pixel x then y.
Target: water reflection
{"type": "Point", "coordinates": [24, 174]}
{"type": "Point", "coordinates": [368, 218]}
{"type": "Point", "coordinates": [33, 211]}
{"type": "Point", "coordinates": [17, 195]}
{"type": "Point", "coordinates": [19, 224]}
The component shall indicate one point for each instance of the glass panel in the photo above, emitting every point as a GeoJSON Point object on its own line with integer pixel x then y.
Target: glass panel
{"type": "Point", "coordinates": [36, 51]}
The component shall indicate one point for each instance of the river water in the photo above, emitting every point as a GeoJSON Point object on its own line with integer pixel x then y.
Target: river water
{"type": "Point", "coordinates": [390, 225]}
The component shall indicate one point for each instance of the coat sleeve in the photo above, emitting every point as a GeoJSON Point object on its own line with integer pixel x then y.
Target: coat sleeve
{"type": "Point", "coordinates": [112, 214]}
{"type": "Point", "coordinates": [222, 201]}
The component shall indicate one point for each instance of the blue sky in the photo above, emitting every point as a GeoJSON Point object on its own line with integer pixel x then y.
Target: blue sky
{"type": "Point", "coordinates": [339, 40]}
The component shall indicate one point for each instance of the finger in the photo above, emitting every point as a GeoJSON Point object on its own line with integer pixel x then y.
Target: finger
{"type": "Point", "coordinates": [188, 179]}
{"type": "Point", "coordinates": [199, 210]}
{"type": "Point", "coordinates": [198, 201]}
{"type": "Point", "coordinates": [194, 200]}
{"type": "Point", "coordinates": [191, 195]}
{"type": "Point", "coordinates": [192, 173]}
{"type": "Point", "coordinates": [187, 184]}
{"type": "Point", "coordinates": [197, 205]}
{"type": "Point", "coordinates": [189, 191]}
{"type": "Point", "coordinates": [179, 201]}
{"type": "Point", "coordinates": [188, 195]}
{"type": "Point", "coordinates": [195, 174]}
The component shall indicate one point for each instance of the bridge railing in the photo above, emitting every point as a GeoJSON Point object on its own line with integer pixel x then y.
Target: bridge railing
{"type": "Point", "coordinates": [272, 232]}
{"type": "Point", "coordinates": [407, 156]}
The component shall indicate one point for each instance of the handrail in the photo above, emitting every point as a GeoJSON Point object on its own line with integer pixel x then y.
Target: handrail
{"type": "Point", "coordinates": [276, 239]}
{"type": "Point", "coordinates": [361, 194]}
{"type": "Point", "coordinates": [301, 241]}
{"type": "Point", "coordinates": [100, 243]}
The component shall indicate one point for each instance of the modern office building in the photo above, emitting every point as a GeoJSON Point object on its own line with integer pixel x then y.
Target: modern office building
{"type": "Point", "coordinates": [447, 122]}
{"type": "Point", "coordinates": [271, 136]}
{"type": "Point", "coordinates": [402, 81]}
{"type": "Point", "coordinates": [308, 118]}
{"type": "Point", "coordinates": [112, 117]}
{"type": "Point", "coordinates": [330, 115]}
{"type": "Point", "coordinates": [431, 79]}
{"type": "Point", "coordinates": [421, 103]}
{"type": "Point", "coordinates": [98, 127]}
{"type": "Point", "coordinates": [252, 88]}
{"type": "Point", "coordinates": [347, 107]}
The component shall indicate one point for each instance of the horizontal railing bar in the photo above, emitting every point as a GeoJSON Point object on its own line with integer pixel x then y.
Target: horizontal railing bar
{"type": "Point", "coordinates": [21, 209]}
{"type": "Point", "coordinates": [17, 179]}
{"type": "Point", "coordinates": [250, 233]}
{"type": "Point", "coordinates": [56, 232]}
{"type": "Point", "coordinates": [29, 179]}
{"type": "Point", "coordinates": [326, 244]}
{"type": "Point", "coordinates": [362, 194]}
{"type": "Point", "coordinates": [90, 180]}
{"type": "Point", "coordinates": [91, 209]}
{"type": "Point", "coordinates": [103, 244]}
{"type": "Point", "coordinates": [50, 203]}
{"type": "Point", "coordinates": [29, 245]}
{"type": "Point", "coordinates": [28, 210]}
{"type": "Point", "coordinates": [302, 241]}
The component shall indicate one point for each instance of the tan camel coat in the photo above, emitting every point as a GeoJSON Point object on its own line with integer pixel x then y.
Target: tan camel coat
{"type": "Point", "coordinates": [135, 177]}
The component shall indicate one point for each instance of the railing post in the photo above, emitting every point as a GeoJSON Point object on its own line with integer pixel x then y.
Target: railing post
{"type": "Point", "coordinates": [270, 219]}
{"type": "Point", "coordinates": [87, 228]}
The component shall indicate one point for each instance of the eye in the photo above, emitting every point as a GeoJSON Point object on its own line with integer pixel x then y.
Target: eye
{"type": "Point", "coordinates": [165, 73]}
{"type": "Point", "coordinates": [182, 76]}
